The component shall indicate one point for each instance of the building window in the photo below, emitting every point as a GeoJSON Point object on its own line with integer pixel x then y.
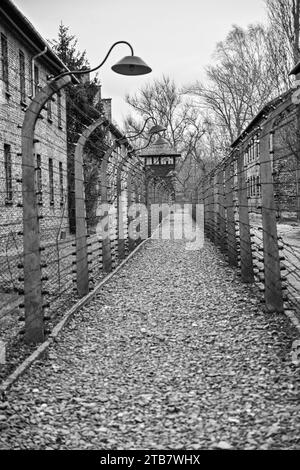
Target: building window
{"type": "Point", "coordinates": [250, 186]}
{"type": "Point", "coordinates": [22, 76]}
{"type": "Point", "coordinates": [39, 184]}
{"type": "Point", "coordinates": [51, 182]}
{"type": "Point", "coordinates": [271, 142]}
{"type": "Point", "coordinates": [8, 174]}
{"type": "Point", "coordinates": [59, 121]}
{"type": "Point", "coordinates": [258, 185]}
{"type": "Point", "coordinates": [166, 160]}
{"type": "Point", "coordinates": [4, 57]}
{"type": "Point", "coordinates": [49, 110]}
{"type": "Point", "coordinates": [61, 183]}
{"type": "Point", "coordinates": [36, 78]}
{"type": "Point", "coordinates": [256, 144]}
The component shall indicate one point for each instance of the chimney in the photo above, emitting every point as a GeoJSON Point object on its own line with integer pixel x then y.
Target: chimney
{"type": "Point", "coordinates": [106, 103]}
{"type": "Point", "coordinates": [97, 98]}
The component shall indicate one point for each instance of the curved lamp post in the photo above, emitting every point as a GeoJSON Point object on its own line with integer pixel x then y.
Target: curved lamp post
{"type": "Point", "coordinates": [129, 65]}
{"type": "Point", "coordinates": [156, 129]}
{"type": "Point", "coordinates": [145, 146]}
{"type": "Point", "coordinates": [153, 130]}
{"type": "Point", "coordinates": [33, 302]}
{"type": "Point", "coordinates": [81, 243]}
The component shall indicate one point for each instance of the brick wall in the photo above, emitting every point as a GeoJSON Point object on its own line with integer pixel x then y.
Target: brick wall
{"type": "Point", "coordinates": [283, 149]}
{"type": "Point", "coordinates": [51, 137]}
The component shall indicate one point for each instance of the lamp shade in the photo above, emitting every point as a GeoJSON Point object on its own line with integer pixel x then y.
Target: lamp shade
{"type": "Point", "coordinates": [161, 141]}
{"type": "Point", "coordinates": [131, 65]}
{"type": "Point", "coordinates": [156, 129]}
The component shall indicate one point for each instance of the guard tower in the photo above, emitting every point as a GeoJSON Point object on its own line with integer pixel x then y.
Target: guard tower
{"type": "Point", "coordinates": [160, 163]}
{"type": "Point", "coordinates": [160, 157]}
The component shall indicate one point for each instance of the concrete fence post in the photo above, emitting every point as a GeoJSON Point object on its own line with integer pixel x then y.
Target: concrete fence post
{"type": "Point", "coordinates": [106, 242]}
{"type": "Point", "coordinates": [82, 271]}
{"type": "Point", "coordinates": [34, 322]}
{"type": "Point", "coordinates": [247, 273]}
{"type": "Point", "coordinates": [221, 209]}
{"type": "Point", "coordinates": [230, 218]}
{"type": "Point", "coordinates": [272, 273]}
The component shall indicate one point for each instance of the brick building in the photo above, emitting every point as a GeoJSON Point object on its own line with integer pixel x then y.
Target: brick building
{"type": "Point", "coordinates": [26, 64]}
{"type": "Point", "coordinates": [283, 154]}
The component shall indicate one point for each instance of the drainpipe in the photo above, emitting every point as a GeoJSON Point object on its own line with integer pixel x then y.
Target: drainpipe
{"type": "Point", "coordinates": [32, 67]}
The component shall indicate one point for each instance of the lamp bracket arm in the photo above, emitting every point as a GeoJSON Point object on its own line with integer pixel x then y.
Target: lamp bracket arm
{"type": "Point", "coordinates": [140, 132]}
{"type": "Point", "coordinates": [81, 72]}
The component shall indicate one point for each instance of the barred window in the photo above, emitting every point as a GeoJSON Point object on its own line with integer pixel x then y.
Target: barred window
{"type": "Point", "coordinates": [36, 77]}
{"type": "Point", "coordinates": [251, 186]}
{"type": "Point", "coordinates": [51, 182]}
{"type": "Point", "coordinates": [8, 173]}
{"type": "Point", "coordinates": [49, 110]}
{"type": "Point", "coordinates": [39, 184]}
{"type": "Point", "coordinates": [61, 183]}
{"type": "Point", "coordinates": [258, 189]}
{"type": "Point", "coordinates": [256, 144]}
{"type": "Point", "coordinates": [4, 57]}
{"type": "Point", "coordinates": [252, 149]}
{"type": "Point", "coordinates": [22, 76]}
{"type": "Point", "coordinates": [271, 142]}
{"type": "Point", "coordinates": [59, 120]}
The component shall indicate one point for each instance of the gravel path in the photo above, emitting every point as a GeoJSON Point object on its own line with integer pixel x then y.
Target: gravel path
{"type": "Point", "coordinates": [174, 353]}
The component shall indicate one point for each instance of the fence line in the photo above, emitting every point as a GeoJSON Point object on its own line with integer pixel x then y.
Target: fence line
{"type": "Point", "coordinates": [251, 204]}
{"type": "Point", "coordinates": [59, 256]}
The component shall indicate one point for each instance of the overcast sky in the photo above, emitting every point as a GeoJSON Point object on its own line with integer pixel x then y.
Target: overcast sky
{"type": "Point", "coordinates": [175, 37]}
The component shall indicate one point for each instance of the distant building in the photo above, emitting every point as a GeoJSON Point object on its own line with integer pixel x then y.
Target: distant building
{"type": "Point", "coordinates": [283, 156]}
{"type": "Point", "coordinates": [160, 161]}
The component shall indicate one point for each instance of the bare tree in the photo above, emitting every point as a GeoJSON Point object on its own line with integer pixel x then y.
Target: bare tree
{"type": "Point", "coordinates": [240, 82]}
{"type": "Point", "coordinates": [164, 101]}
{"type": "Point", "coordinates": [173, 109]}
{"type": "Point", "coordinates": [284, 16]}
{"type": "Point", "coordinates": [280, 61]}
{"type": "Point", "coordinates": [283, 38]}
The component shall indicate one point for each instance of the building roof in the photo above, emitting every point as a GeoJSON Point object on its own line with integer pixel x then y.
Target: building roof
{"type": "Point", "coordinates": [159, 148]}
{"type": "Point", "coordinates": [15, 18]}
{"type": "Point", "coordinates": [259, 116]}
{"type": "Point", "coordinates": [22, 25]}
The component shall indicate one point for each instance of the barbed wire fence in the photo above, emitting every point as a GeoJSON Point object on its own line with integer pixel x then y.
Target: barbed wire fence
{"type": "Point", "coordinates": [123, 182]}
{"type": "Point", "coordinates": [252, 206]}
